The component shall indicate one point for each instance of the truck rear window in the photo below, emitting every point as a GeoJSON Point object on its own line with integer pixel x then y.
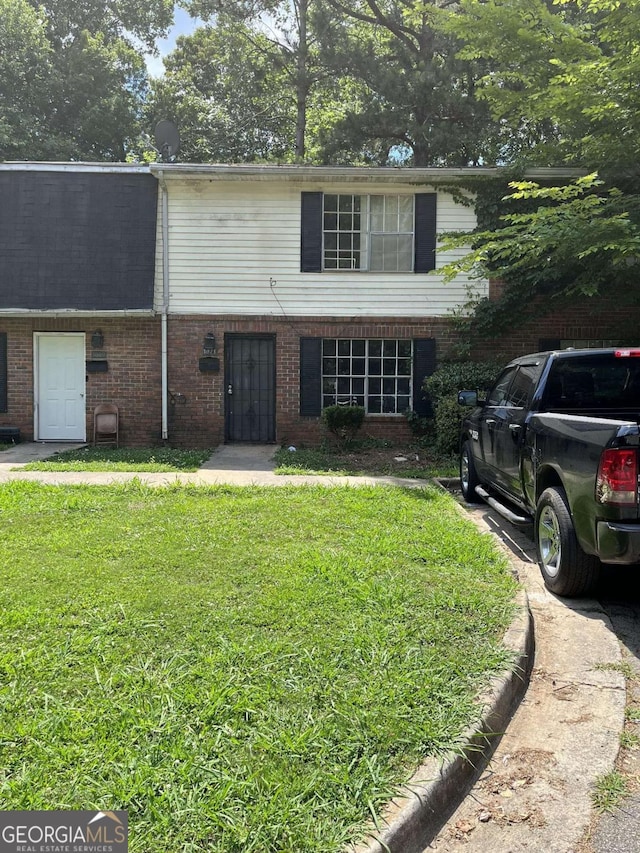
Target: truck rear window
{"type": "Point", "coordinates": [601, 381]}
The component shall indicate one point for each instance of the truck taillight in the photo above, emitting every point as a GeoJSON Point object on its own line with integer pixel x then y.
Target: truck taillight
{"type": "Point", "coordinates": [617, 481]}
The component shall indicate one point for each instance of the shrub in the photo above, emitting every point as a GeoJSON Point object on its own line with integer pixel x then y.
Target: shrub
{"type": "Point", "coordinates": [343, 421]}
{"type": "Point", "coordinates": [448, 420]}
{"type": "Point", "coordinates": [442, 390]}
{"type": "Point", "coordinates": [455, 376]}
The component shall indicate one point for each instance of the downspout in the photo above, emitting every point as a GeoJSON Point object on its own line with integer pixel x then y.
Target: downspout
{"type": "Point", "coordinates": [165, 306]}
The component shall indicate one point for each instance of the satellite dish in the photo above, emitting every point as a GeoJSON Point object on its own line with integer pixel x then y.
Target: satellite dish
{"type": "Point", "coordinates": [167, 139]}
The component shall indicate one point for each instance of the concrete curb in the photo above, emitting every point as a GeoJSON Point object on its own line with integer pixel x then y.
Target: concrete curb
{"type": "Point", "coordinates": [416, 815]}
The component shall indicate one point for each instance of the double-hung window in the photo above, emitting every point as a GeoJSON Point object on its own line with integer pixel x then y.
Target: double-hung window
{"type": "Point", "coordinates": [368, 232]}
{"type": "Point", "coordinates": [377, 232]}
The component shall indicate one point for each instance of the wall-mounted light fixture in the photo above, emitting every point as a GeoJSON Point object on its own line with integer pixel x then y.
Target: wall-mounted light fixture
{"type": "Point", "coordinates": [209, 344]}
{"type": "Point", "coordinates": [97, 339]}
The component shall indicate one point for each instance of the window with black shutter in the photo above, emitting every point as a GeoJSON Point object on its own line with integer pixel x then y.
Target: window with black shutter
{"type": "Point", "coordinates": [391, 233]}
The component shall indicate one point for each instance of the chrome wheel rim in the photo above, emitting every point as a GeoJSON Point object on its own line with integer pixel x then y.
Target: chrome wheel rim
{"type": "Point", "coordinates": [549, 541]}
{"type": "Point", "coordinates": [464, 471]}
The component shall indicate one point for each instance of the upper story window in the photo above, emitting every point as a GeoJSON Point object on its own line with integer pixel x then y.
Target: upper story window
{"type": "Point", "coordinates": [377, 232]}
{"type": "Point", "coordinates": [368, 232]}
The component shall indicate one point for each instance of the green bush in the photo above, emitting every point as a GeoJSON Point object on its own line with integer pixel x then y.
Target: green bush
{"type": "Point", "coordinates": [456, 376]}
{"type": "Point", "coordinates": [448, 420]}
{"type": "Point", "coordinates": [343, 421]}
{"type": "Point", "coordinates": [442, 389]}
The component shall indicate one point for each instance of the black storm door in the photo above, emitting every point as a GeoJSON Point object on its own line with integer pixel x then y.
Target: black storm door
{"type": "Point", "coordinates": [250, 388]}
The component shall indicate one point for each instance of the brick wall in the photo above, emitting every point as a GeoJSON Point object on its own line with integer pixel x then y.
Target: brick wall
{"type": "Point", "coordinates": [197, 399]}
{"type": "Point", "coordinates": [132, 349]}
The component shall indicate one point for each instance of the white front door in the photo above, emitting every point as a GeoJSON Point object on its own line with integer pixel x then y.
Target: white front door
{"type": "Point", "coordinates": [60, 387]}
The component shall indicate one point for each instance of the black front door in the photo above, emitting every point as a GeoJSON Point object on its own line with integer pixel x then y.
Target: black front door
{"type": "Point", "coordinates": [250, 388]}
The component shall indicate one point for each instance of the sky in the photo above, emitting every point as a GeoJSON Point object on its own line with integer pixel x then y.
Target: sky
{"type": "Point", "coordinates": [183, 25]}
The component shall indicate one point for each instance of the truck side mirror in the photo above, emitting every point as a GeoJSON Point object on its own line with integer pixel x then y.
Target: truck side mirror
{"type": "Point", "coordinates": [468, 398]}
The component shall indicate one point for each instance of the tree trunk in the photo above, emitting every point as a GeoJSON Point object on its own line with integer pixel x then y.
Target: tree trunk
{"type": "Point", "coordinates": [302, 85]}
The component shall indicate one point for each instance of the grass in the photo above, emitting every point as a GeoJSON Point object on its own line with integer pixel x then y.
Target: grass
{"type": "Point", "coordinates": [5, 446]}
{"type": "Point", "coordinates": [611, 789]}
{"type": "Point", "coordinates": [156, 459]}
{"type": "Point", "coordinates": [364, 458]}
{"type": "Point", "coordinates": [245, 670]}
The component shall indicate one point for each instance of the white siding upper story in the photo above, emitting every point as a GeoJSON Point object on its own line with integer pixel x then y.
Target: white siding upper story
{"type": "Point", "coordinates": [234, 248]}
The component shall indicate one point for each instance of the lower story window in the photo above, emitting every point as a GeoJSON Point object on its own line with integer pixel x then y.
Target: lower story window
{"type": "Point", "coordinates": [373, 373]}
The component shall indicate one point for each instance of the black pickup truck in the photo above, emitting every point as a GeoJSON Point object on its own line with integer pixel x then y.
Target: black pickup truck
{"type": "Point", "coordinates": [556, 443]}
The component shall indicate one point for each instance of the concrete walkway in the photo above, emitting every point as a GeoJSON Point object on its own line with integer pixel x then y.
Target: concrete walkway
{"type": "Point", "coordinates": [235, 464]}
{"type": "Point", "coordinates": [535, 793]}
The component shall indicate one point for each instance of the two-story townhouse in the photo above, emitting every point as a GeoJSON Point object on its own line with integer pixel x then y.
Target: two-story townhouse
{"type": "Point", "coordinates": [284, 289]}
{"type": "Point", "coordinates": [77, 319]}
{"type": "Point", "coordinates": [288, 288]}
{"type": "Point", "coordinates": [220, 303]}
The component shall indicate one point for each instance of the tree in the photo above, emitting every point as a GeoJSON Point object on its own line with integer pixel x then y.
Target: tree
{"type": "Point", "coordinates": [418, 103]}
{"type": "Point", "coordinates": [564, 85]}
{"type": "Point", "coordinates": [25, 66]}
{"type": "Point", "coordinates": [227, 90]}
{"type": "Point", "coordinates": [75, 76]}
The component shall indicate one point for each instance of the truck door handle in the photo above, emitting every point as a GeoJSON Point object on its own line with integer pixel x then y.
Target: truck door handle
{"type": "Point", "coordinates": [515, 427]}
{"type": "Point", "coordinates": [490, 422]}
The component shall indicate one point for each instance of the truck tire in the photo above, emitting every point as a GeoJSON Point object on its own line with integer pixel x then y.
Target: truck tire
{"type": "Point", "coordinates": [565, 567]}
{"type": "Point", "coordinates": [468, 477]}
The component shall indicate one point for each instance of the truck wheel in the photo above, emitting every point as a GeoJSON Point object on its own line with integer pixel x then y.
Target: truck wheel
{"type": "Point", "coordinates": [468, 477]}
{"type": "Point", "coordinates": [565, 567]}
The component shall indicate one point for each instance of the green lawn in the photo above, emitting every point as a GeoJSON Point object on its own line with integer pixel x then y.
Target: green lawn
{"type": "Point", "coordinates": [241, 669]}
{"type": "Point", "coordinates": [156, 459]}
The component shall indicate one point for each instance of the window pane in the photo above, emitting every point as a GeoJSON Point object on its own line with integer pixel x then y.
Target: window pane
{"type": "Point", "coordinates": [331, 202]}
{"type": "Point", "coordinates": [388, 386]}
{"type": "Point", "coordinates": [390, 252]}
{"type": "Point", "coordinates": [403, 386]}
{"type": "Point", "coordinates": [344, 386]}
{"type": "Point", "coordinates": [388, 405]}
{"type": "Point", "coordinates": [345, 222]}
{"type": "Point", "coordinates": [375, 386]}
{"type": "Point", "coordinates": [376, 260]}
{"type": "Point", "coordinates": [405, 205]}
{"type": "Point", "coordinates": [376, 204]}
{"type": "Point", "coordinates": [375, 367]}
{"type": "Point", "coordinates": [403, 404]}
{"type": "Point", "coordinates": [406, 222]}
{"type": "Point", "coordinates": [330, 263]}
{"type": "Point", "coordinates": [328, 347]}
{"type": "Point", "coordinates": [375, 405]}
{"type": "Point", "coordinates": [389, 366]}
{"type": "Point", "coordinates": [375, 347]}
{"type": "Point", "coordinates": [389, 349]}
{"type": "Point", "coordinates": [328, 386]}
{"type": "Point", "coordinates": [404, 349]}
{"type": "Point", "coordinates": [357, 347]}
{"type": "Point", "coordinates": [357, 386]}
{"type": "Point", "coordinates": [329, 366]}
{"type": "Point", "coordinates": [330, 221]}
{"type": "Point", "coordinates": [405, 253]}
{"type": "Point", "coordinates": [377, 222]}
{"type": "Point", "coordinates": [358, 367]}
{"type": "Point", "coordinates": [344, 367]}
{"type": "Point", "coordinates": [330, 242]}
{"type": "Point", "coordinates": [345, 203]}
{"type": "Point", "coordinates": [344, 347]}
{"type": "Point", "coordinates": [328, 401]}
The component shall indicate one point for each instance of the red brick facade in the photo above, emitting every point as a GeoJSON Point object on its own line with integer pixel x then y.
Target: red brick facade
{"type": "Point", "coordinates": [196, 417]}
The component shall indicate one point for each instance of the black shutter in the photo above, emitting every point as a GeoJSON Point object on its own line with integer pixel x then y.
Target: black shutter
{"type": "Point", "coordinates": [545, 344]}
{"type": "Point", "coordinates": [424, 364]}
{"type": "Point", "coordinates": [311, 233]}
{"type": "Point", "coordinates": [310, 377]}
{"type": "Point", "coordinates": [425, 232]}
{"type": "Point", "coordinates": [3, 372]}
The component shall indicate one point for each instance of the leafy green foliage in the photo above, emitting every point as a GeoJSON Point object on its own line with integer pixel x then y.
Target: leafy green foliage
{"type": "Point", "coordinates": [343, 421]}
{"type": "Point", "coordinates": [73, 76]}
{"type": "Point", "coordinates": [442, 389]}
{"type": "Point", "coordinates": [231, 690]}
